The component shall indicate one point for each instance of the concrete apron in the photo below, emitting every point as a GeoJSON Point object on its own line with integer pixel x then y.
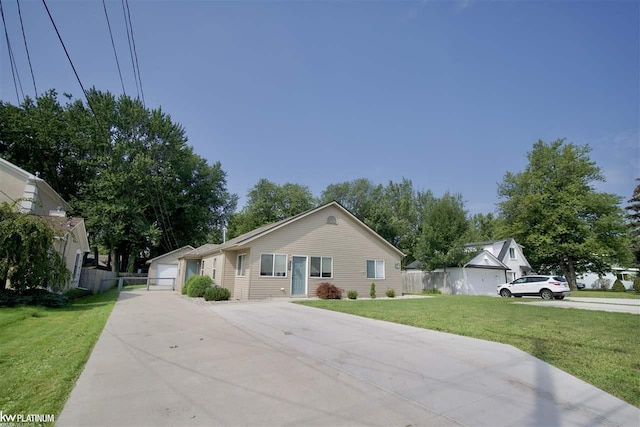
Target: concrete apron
{"type": "Point", "coordinates": [163, 360]}
{"type": "Point", "coordinates": [471, 381]}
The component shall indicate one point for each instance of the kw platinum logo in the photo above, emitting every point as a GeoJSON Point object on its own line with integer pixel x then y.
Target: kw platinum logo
{"type": "Point", "coordinates": [15, 419]}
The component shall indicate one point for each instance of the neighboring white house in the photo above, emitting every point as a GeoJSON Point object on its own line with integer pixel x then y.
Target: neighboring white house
{"type": "Point", "coordinates": [34, 195]}
{"type": "Point", "coordinates": [292, 257]}
{"type": "Point", "coordinates": [492, 263]}
{"type": "Point", "coordinates": [163, 269]}
{"type": "Point", "coordinates": [626, 275]}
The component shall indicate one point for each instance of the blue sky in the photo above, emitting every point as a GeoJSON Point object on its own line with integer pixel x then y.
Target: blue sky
{"type": "Point", "coordinates": [450, 95]}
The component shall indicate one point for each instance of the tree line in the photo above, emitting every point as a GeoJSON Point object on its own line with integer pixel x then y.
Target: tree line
{"type": "Point", "coordinates": [125, 168]}
{"type": "Point", "coordinates": [129, 171]}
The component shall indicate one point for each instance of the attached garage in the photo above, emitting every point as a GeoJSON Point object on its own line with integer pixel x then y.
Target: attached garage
{"type": "Point", "coordinates": [163, 270]}
{"type": "Point", "coordinates": [167, 274]}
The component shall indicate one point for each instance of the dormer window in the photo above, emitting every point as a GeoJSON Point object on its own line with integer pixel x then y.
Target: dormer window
{"type": "Point", "coordinates": [512, 253]}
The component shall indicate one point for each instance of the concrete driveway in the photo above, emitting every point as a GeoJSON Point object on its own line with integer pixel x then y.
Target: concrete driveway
{"type": "Point", "coordinates": [615, 305]}
{"type": "Point", "coordinates": [163, 360]}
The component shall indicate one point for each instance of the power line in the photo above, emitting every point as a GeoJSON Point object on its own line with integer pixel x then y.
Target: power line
{"type": "Point", "coordinates": [12, 60]}
{"type": "Point", "coordinates": [24, 37]}
{"type": "Point", "coordinates": [69, 58]}
{"type": "Point", "coordinates": [135, 76]}
{"type": "Point", "coordinates": [135, 52]}
{"type": "Point", "coordinates": [104, 5]}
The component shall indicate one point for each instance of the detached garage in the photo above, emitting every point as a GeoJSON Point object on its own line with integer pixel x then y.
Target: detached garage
{"type": "Point", "coordinates": [163, 270]}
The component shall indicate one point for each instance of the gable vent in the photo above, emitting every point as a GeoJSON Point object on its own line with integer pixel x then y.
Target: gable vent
{"type": "Point", "coordinates": [331, 220]}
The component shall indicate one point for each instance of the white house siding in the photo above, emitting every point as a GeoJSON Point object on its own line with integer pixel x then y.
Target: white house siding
{"type": "Point", "coordinates": [347, 242]}
{"type": "Point", "coordinates": [591, 279]}
{"type": "Point", "coordinates": [516, 264]}
{"type": "Point", "coordinates": [12, 185]}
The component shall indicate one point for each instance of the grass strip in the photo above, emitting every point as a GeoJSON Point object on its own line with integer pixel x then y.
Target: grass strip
{"type": "Point", "coordinates": [43, 352]}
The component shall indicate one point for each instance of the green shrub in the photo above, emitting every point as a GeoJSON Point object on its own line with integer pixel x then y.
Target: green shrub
{"type": "Point", "coordinates": [11, 298]}
{"type": "Point", "coordinates": [33, 296]}
{"type": "Point", "coordinates": [391, 293]}
{"type": "Point", "coordinates": [185, 286]}
{"type": "Point", "coordinates": [198, 286]}
{"type": "Point", "coordinates": [328, 291]}
{"type": "Point", "coordinates": [432, 292]}
{"type": "Point", "coordinates": [618, 286]}
{"type": "Point", "coordinates": [352, 294]}
{"type": "Point", "coordinates": [76, 293]}
{"type": "Point", "coordinates": [372, 292]}
{"type": "Point", "coordinates": [217, 293]}
{"type": "Point", "coordinates": [636, 284]}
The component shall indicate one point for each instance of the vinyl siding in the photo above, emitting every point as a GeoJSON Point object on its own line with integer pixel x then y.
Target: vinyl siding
{"type": "Point", "coordinates": [240, 287]}
{"type": "Point", "coordinates": [12, 186]}
{"type": "Point", "coordinates": [349, 244]}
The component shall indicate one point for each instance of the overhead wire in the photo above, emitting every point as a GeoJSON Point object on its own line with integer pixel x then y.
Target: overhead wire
{"type": "Point", "coordinates": [126, 21]}
{"type": "Point", "coordinates": [115, 53]}
{"type": "Point", "coordinates": [26, 47]}
{"type": "Point", "coordinates": [73, 67]}
{"type": "Point", "coordinates": [12, 60]}
{"type": "Point", "coordinates": [135, 52]}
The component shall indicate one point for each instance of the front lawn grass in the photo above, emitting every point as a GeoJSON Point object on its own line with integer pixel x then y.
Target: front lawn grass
{"type": "Point", "coordinates": [605, 294]}
{"type": "Point", "coordinates": [43, 352]}
{"type": "Point", "coordinates": [601, 348]}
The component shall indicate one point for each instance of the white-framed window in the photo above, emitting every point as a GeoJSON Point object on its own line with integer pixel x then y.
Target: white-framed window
{"type": "Point", "coordinates": [375, 269]}
{"type": "Point", "coordinates": [240, 264]}
{"type": "Point", "coordinates": [512, 253]}
{"type": "Point", "coordinates": [202, 267]}
{"type": "Point", "coordinates": [511, 276]}
{"type": "Point", "coordinates": [213, 270]}
{"type": "Point", "coordinates": [273, 265]}
{"type": "Point", "coordinates": [321, 266]}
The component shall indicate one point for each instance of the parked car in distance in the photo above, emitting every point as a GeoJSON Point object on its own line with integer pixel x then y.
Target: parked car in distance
{"type": "Point", "coordinates": [580, 285]}
{"type": "Point", "coordinates": [546, 287]}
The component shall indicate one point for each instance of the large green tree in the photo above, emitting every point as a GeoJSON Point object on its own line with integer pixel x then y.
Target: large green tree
{"type": "Point", "coordinates": [633, 212]}
{"type": "Point", "coordinates": [125, 167]}
{"type": "Point", "coordinates": [268, 202]}
{"type": "Point", "coordinates": [443, 232]}
{"type": "Point", "coordinates": [553, 210]}
{"type": "Point", "coordinates": [28, 258]}
{"type": "Point", "coordinates": [49, 139]}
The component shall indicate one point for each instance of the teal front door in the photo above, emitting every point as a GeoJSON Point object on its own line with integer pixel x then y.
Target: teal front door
{"type": "Point", "coordinates": [299, 275]}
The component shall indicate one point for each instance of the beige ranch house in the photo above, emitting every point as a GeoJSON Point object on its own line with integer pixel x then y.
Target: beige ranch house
{"type": "Point", "coordinates": [292, 257]}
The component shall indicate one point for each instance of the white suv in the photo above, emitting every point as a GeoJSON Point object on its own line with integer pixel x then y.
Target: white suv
{"type": "Point", "coordinates": [547, 287]}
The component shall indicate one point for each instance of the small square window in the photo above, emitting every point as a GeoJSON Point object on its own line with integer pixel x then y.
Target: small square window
{"type": "Point", "coordinates": [375, 269]}
{"type": "Point", "coordinates": [273, 265]}
{"type": "Point", "coordinates": [321, 267]}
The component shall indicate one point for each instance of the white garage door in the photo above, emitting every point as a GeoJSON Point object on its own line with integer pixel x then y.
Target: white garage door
{"type": "Point", "coordinates": [167, 274]}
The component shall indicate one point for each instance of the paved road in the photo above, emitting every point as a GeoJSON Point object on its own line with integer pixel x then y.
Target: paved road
{"type": "Point", "coordinates": [616, 305]}
{"type": "Point", "coordinates": [163, 360]}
